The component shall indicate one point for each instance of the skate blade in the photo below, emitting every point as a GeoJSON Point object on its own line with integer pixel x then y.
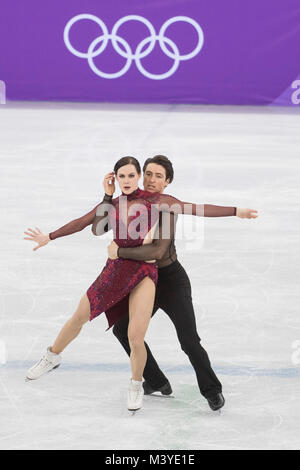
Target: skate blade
{"type": "Point", "coordinates": [217, 412]}
{"type": "Point", "coordinates": [133, 411]}
{"type": "Point", "coordinates": [156, 395]}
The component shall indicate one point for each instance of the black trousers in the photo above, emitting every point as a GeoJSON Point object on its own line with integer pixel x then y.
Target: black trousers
{"type": "Point", "coordinates": [173, 295]}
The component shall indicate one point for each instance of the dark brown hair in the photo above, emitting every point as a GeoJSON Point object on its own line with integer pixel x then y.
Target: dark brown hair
{"type": "Point", "coordinates": [127, 161]}
{"type": "Point", "coordinates": [163, 161]}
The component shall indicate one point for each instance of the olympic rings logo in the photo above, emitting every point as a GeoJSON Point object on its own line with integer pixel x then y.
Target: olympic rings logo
{"type": "Point", "coordinates": [99, 44]}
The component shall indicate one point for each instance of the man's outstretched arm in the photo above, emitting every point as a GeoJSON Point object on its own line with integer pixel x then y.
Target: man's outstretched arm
{"type": "Point", "coordinates": [171, 204]}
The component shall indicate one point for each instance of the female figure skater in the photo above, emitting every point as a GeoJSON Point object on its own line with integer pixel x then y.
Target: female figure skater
{"type": "Point", "coordinates": [119, 282]}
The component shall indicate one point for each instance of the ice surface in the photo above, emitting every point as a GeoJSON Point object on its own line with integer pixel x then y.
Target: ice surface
{"type": "Point", "coordinates": [245, 277]}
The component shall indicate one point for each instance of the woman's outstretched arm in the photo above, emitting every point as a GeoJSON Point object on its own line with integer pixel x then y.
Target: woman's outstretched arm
{"type": "Point", "coordinates": [74, 226]}
{"type": "Point", "coordinates": [79, 224]}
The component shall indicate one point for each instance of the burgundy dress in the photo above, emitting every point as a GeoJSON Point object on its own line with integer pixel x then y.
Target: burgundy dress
{"type": "Point", "coordinates": [109, 293]}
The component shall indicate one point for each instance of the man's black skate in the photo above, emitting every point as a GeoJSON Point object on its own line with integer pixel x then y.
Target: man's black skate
{"type": "Point", "coordinates": [216, 401]}
{"type": "Point", "coordinates": [165, 389]}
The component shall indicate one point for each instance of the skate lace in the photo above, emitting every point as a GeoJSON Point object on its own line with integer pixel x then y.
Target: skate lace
{"type": "Point", "coordinates": [43, 362]}
{"type": "Point", "coordinates": [136, 393]}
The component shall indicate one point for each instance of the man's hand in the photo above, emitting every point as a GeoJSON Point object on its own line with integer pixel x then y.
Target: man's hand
{"type": "Point", "coordinates": [112, 250]}
{"type": "Point", "coordinates": [109, 183]}
{"type": "Point", "coordinates": [37, 236]}
{"type": "Point", "coordinates": [246, 213]}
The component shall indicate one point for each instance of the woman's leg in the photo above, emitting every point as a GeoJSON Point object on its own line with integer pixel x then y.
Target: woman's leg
{"type": "Point", "coordinates": [72, 327]}
{"type": "Point", "coordinates": [141, 301]}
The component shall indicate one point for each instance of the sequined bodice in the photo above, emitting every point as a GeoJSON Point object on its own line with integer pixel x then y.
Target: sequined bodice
{"type": "Point", "coordinates": [134, 215]}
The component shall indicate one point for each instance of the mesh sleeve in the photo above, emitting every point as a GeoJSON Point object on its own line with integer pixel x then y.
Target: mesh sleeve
{"type": "Point", "coordinates": [79, 224]}
{"type": "Point", "coordinates": [162, 238]}
{"type": "Point", "coordinates": [169, 203]}
{"type": "Point", "coordinates": [101, 223]}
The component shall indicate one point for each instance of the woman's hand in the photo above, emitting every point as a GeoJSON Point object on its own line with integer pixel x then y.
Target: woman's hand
{"type": "Point", "coordinates": [246, 213]}
{"type": "Point", "coordinates": [37, 236]}
{"type": "Point", "coordinates": [109, 183]}
{"type": "Point", "coordinates": [112, 250]}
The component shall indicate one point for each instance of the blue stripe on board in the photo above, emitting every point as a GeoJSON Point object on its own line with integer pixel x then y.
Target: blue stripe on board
{"type": "Point", "coordinates": [187, 369]}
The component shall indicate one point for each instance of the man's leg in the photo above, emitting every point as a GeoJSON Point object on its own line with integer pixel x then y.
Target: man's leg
{"type": "Point", "coordinates": [180, 309]}
{"type": "Point", "coordinates": [152, 373]}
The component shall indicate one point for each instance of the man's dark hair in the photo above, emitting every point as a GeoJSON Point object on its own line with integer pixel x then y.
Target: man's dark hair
{"type": "Point", "coordinates": [163, 161]}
